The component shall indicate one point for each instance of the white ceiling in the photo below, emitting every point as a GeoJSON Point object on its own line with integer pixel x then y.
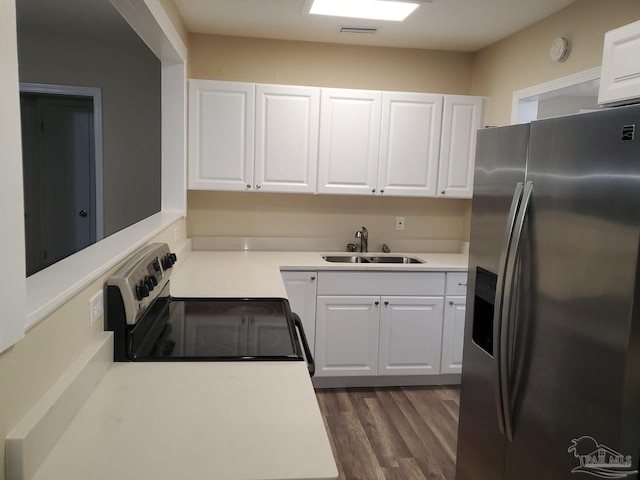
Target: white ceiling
{"type": "Point", "coordinates": [461, 25]}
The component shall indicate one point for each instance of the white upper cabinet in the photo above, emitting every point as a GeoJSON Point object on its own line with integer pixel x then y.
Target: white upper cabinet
{"type": "Point", "coordinates": [286, 155]}
{"type": "Point", "coordinates": [620, 78]}
{"type": "Point", "coordinates": [349, 141]}
{"type": "Point", "coordinates": [221, 122]}
{"type": "Point", "coordinates": [409, 144]}
{"type": "Point", "coordinates": [461, 118]}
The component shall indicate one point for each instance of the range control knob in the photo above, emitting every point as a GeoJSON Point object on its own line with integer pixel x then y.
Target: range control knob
{"type": "Point", "coordinates": [148, 282]}
{"type": "Point", "coordinates": [168, 260]}
{"type": "Point", "coordinates": [156, 265]}
{"type": "Point", "coordinates": [154, 280]}
{"type": "Point", "coordinates": [142, 290]}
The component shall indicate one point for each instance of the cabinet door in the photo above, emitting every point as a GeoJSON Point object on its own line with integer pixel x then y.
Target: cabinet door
{"type": "Point", "coordinates": [461, 118]}
{"type": "Point", "coordinates": [410, 336]}
{"type": "Point", "coordinates": [453, 335]}
{"type": "Point", "coordinates": [347, 336]}
{"type": "Point", "coordinates": [221, 121]}
{"type": "Point", "coordinates": [410, 144]}
{"type": "Point", "coordinates": [301, 290]}
{"type": "Point", "coordinates": [286, 157]}
{"type": "Point", "coordinates": [349, 141]}
{"type": "Point", "coordinates": [620, 78]}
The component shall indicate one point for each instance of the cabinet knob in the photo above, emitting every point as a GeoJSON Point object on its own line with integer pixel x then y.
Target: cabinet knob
{"type": "Point", "coordinates": [386, 303]}
{"type": "Point", "coordinates": [248, 186]}
{"type": "Point", "coordinates": [444, 192]}
{"type": "Point", "coordinates": [450, 302]}
{"type": "Point", "coordinates": [313, 278]}
{"type": "Point", "coordinates": [382, 191]}
{"type": "Point", "coordinates": [258, 187]}
{"type": "Point", "coordinates": [373, 191]}
{"type": "Point", "coordinates": [376, 303]}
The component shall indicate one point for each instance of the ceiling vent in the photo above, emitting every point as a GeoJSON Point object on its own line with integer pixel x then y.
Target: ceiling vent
{"type": "Point", "coordinates": [359, 30]}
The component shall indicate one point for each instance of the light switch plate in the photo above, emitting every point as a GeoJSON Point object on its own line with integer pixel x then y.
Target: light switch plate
{"type": "Point", "coordinates": [96, 307]}
{"type": "Point", "coordinates": [399, 223]}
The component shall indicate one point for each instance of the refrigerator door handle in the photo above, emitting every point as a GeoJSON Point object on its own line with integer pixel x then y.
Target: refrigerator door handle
{"type": "Point", "coordinates": [505, 333]}
{"type": "Point", "coordinates": [497, 316]}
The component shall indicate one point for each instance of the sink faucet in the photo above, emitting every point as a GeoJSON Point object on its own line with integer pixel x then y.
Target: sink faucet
{"type": "Point", "coordinates": [363, 235]}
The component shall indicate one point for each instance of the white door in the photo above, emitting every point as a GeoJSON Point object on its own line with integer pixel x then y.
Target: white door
{"type": "Point", "coordinates": [410, 144]}
{"type": "Point", "coordinates": [461, 118]}
{"type": "Point", "coordinates": [347, 336]}
{"type": "Point", "coordinates": [301, 291]}
{"type": "Point", "coordinates": [221, 135]}
{"type": "Point", "coordinates": [453, 335]}
{"type": "Point", "coordinates": [286, 156]}
{"type": "Point", "coordinates": [59, 177]}
{"type": "Point", "coordinates": [349, 141]}
{"type": "Point", "coordinates": [410, 336]}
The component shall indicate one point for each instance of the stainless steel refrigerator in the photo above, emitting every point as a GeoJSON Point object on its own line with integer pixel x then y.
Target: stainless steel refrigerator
{"type": "Point", "coordinates": [551, 370]}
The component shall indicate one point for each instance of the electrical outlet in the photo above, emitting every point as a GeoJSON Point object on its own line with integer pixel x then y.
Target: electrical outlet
{"type": "Point", "coordinates": [96, 307]}
{"type": "Point", "coordinates": [399, 223]}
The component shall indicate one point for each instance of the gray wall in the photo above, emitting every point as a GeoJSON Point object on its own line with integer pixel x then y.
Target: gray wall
{"type": "Point", "coordinates": [129, 76]}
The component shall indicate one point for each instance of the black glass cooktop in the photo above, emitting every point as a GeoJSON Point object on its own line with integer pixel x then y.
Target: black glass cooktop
{"type": "Point", "coordinates": [216, 329]}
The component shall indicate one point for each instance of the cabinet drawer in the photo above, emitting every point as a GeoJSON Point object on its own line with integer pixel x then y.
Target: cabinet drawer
{"type": "Point", "coordinates": [457, 283]}
{"type": "Point", "coordinates": [381, 283]}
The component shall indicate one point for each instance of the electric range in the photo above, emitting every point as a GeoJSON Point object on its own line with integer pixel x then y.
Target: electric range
{"type": "Point", "coordinates": [151, 325]}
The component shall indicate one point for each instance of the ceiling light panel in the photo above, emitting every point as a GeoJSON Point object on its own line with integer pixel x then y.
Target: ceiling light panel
{"type": "Point", "coordinates": [371, 9]}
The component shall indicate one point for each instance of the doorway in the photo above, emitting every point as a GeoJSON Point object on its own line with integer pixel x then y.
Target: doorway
{"type": "Point", "coordinates": [59, 174]}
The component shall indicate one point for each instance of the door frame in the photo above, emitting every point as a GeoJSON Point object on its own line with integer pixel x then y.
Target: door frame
{"type": "Point", "coordinates": [96, 94]}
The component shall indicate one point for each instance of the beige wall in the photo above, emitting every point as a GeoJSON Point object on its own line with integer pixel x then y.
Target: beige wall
{"type": "Point", "coordinates": [328, 65]}
{"type": "Point", "coordinates": [174, 15]}
{"type": "Point", "coordinates": [336, 216]}
{"type": "Point", "coordinates": [522, 60]}
{"type": "Point", "coordinates": [30, 367]}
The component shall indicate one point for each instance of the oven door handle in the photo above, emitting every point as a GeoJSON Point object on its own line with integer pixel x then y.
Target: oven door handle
{"type": "Point", "coordinates": [307, 351]}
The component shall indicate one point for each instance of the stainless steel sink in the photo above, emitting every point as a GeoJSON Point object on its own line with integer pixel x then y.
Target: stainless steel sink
{"type": "Point", "coordinates": [344, 259]}
{"type": "Point", "coordinates": [394, 259]}
{"type": "Point", "coordinates": [371, 259]}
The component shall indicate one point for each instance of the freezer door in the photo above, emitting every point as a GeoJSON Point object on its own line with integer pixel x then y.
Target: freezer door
{"type": "Point", "coordinates": [575, 289]}
{"type": "Point", "coordinates": [500, 164]}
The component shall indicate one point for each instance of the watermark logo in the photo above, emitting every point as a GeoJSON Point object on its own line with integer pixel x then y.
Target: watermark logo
{"type": "Point", "coordinates": [599, 460]}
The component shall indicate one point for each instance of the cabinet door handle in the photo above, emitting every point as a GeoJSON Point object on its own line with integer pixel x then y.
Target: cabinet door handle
{"type": "Point", "coordinates": [386, 303]}
{"type": "Point", "coordinates": [462, 284]}
{"type": "Point", "coordinates": [450, 302]}
{"type": "Point", "coordinates": [313, 278]}
{"type": "Point", "coordinates": [376, 303]}
{"type": "Point", "coordinates": [258, 187]}
{"type": "Point", "coordinates": [444, 192]}
{"type": "Point", "coordinates": [248, 186]}
{"type": "Point", "coordinates": [373, 191]}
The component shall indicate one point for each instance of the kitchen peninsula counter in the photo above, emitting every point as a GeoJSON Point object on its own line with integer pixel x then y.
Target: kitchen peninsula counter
{"type": "Point", "coordinates": [196, 421]}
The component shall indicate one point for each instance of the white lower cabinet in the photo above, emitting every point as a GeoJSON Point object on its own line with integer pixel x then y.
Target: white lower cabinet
{"type": "Point", "coordinates": [410, 336]}
{"type": "Point", "coordinates": [347, 331]}
{"type": "Point", "coordinates": [379, 324]}
{"type": "Point", "coordinates": [453, 335]}
{"type": "Point", "coordinates": [301, 290]}
{"type": "Point", "coordinates": [453, 327]}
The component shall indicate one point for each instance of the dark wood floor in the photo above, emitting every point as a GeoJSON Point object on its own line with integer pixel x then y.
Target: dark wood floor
{"type": "Point", "coordinates": [404, 433]}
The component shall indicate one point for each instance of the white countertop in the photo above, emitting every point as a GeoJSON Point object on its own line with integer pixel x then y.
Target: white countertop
{"type": "Point", "coordinates": [192, 421]}
{"type": "Point", "coordinates": [257, 274]}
